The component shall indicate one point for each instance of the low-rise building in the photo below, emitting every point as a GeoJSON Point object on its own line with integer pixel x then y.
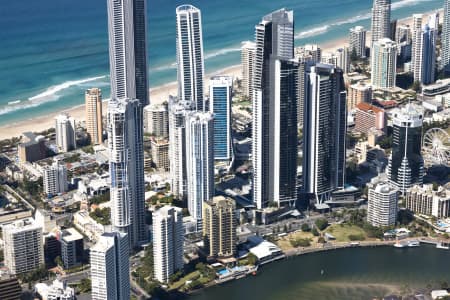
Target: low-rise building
{"type": "Point", "coordinates": [32, 148]}
{"type": "Point", "coordinates": [427, 201]}
{"type": "Point", "coordinates": [58, 290]}
{"type": "Point", "coordinates": [87, 225]}
{"type": "Point", "coordinates": [72, 248]}
{"type": "Point", "coordinates": [368, 116]}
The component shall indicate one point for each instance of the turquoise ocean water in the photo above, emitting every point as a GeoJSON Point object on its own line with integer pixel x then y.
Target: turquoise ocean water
{"type": "Point", "coordinates": [52, 50]}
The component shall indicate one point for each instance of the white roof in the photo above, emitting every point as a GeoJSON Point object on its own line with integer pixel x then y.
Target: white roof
{"type": "Point", "coordinates": [264, 249]}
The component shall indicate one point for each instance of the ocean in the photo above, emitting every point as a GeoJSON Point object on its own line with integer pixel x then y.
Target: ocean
{"type": "Point", "coordinates": [52, 50]}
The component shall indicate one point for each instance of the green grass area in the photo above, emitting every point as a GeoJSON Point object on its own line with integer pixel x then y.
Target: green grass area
{"type": "Point", "coordinates": [342, 232]}
{"type": "Point", "coordinates": [178, 284]}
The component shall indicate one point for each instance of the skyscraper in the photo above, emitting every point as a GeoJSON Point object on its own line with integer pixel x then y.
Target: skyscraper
{"type": "Point", "coordinates": [220, 94]}
{"type": "Point", "coordinates": [94, 115]}
{"type": "Point", "coordinates": [357, 41]}
{"type": "Point", "coordinates": [445, 52]}
{"type": "Point", "coordinates": [168, 236]}
{"type": "Point", "coordinates": [381, 20]}
{"type": "Point", "coordinates": [275, 98]}
{"type": "Point", "coordinates": [405, 166]}
{"type": "Point", "coordinates": [65, 133]}
{"type": "Point", "coordinates": [324, 132]}
{"type": "Point", "coordinates": [190, 56]}
{"type": "Point", "coordinates": [127, 49]}
{"type": "Point", "coordinates": [424, 49]}
{"type": "Point", "coordinates": [127, 187]}
{"type": "Point", "coordinates": [199, 162]}
{"type": "Point", "coordinates": [384, 64]}
{"type": "Point", "coordinates": [129, 94]}
{"type": "Point", "coordinates": [219, 227]}
{"type": "Point", "coordinates": [416, 52]}
{"type": "Point", "coordinates": [23, 248]}
{"type": "Point", "coordinates": [110, 267]}
{"type": "Point", "coordinates": [248, 59]}
{"type": "Point", "coordinates": [177, 146]}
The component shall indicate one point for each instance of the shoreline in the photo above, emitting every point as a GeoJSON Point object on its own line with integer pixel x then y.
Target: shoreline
{"type": "Point", "coordinates": [158, 94]}
{"type": "Point", "coordinates": [301, 251]}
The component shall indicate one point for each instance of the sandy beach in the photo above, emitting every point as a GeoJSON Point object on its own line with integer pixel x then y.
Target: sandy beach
{"type": "Point", "coordinates": [157, 94]}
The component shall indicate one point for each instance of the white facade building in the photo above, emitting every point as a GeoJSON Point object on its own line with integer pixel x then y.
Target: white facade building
{"type": "Point", "coordinates": [445, 37]}
{"type": "Point", "coordinates": [156, 120]}
{"type": "Point", "coordinates": [381, 20]}
{"type": "Point", "coordinates": [190, 56]}
{"type": "Point", "coordinates": [384, 64]}
{"type": "Point", "coordinates": [177, 146]}
{"type": "Point", "coordinates": [168, 236]}
{"type": "Point", "coordinates": [58, 290]}
{"type": "Point", "coordinates": [65, 133]}
{"type": "Point", "coordinates": [357, 41]}
{"type": "Point", "coordinates": [110, 267]}
{"type": "Point", "coordinates": [55, 179]}
{"type": "Point", "coordinates": [248, 52]}
{"type": "Point", "coordinates": [23, 247]}
{"type": "Point", "coordinates": [200, 162]}
{"type": "Point", "coordinates": [382, 203]}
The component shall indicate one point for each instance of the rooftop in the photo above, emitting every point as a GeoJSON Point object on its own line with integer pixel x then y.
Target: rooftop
{"type": "Point", "coordinates": [369, 107]}
{"type": "Point", "coordinates": [71, 234]}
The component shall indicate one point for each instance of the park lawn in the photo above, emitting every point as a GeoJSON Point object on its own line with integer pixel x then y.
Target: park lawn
{"type": "Point", "coordinates": [342, 231]}
{"type": "Point", "coordinates": [285, 244]}
{"type": "Point", "coordinates": [182, 281]}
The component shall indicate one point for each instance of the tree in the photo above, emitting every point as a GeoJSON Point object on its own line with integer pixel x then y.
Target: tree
{"type": "Point", "coordinates": [353, 55]}
{"type": "Point", "coordinates": [58, 261]}
{"type": "Point", "coordinates": [315, 232]}
{"type": "Point", "coordinates": [321, 223]}
{"type": "Point", "coordinates": [305, 227]}
{"type": "Point", "coordinates": [416, 86]}
{"type": "Point", "coordinates": [85, 285]}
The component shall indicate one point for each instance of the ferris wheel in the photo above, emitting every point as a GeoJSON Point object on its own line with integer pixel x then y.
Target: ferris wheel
{"type": "Point", "coordinates": [436, 147]}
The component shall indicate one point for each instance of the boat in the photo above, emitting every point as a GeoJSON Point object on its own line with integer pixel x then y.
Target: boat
{"type": "Point", "coordinates": [413, 243]}
{"type": "Point", "coordinates": [442, 245]}
{"type": "Point", "coordinates": [399, 245]}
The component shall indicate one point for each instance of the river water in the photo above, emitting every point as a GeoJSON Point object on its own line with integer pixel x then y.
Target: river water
{"type": "Point", "coordinates": [357, 273]}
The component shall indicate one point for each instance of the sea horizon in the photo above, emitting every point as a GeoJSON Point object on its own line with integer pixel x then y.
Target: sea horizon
{"type": "Point", "coordinates": [51, 66]}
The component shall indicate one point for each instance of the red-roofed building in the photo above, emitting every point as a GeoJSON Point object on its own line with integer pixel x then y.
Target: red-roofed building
{"type": "Point", "coordinates": [368, 116]}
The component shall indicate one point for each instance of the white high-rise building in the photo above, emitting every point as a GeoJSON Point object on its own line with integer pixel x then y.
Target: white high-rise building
{"type": "Point", "coordinates": [381, 20]}
{"type": "Point", "coordinates": [220, 97]}
{"type": "Point", "coordinates": [309, 53]}
{"type": "Point", "coordinates": [55, 179]}
{"type": "Point", "coordinates": [445, 38]}
{"type": "Point", "coordinates": [23, 247]}
{"type": "Point", "coordinates": [190, 56]}
{"type": "Point", "coordinates": [382, 203]}
{"type": "Point", "coordinates": [168, 236]}
{"type": "Point", "coordinates": [127, 186]}
{"type": "Point", "coordinates": [275, 104]}
{"type": "Point", "coordinates": [200, 162]}
{"type": "Point", "coordinates": [248, 52]}
{"type": "Point", "coordinates": [110, 267]}
{"type": "Point", "coordinates": [423, 62]}
{"type": "Point", "coordinates": [324, 132]}
{"type": "Point", "coordinates": [416, 52]}
{"type": "Point", "coordinates": [156, 120]}
{"type": "Point", "coordinates": [65, 133]}
{"type": "Point", "coordinates": [177, 146]}
{"type": "Point", "coordinates": [384, 64]}
{"type": "Point", "coordinates": [129, 94]}
{"type": "Point", "coordinates": [357, 41]}
{"type": "Point", "coordinates": [339, 58]}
